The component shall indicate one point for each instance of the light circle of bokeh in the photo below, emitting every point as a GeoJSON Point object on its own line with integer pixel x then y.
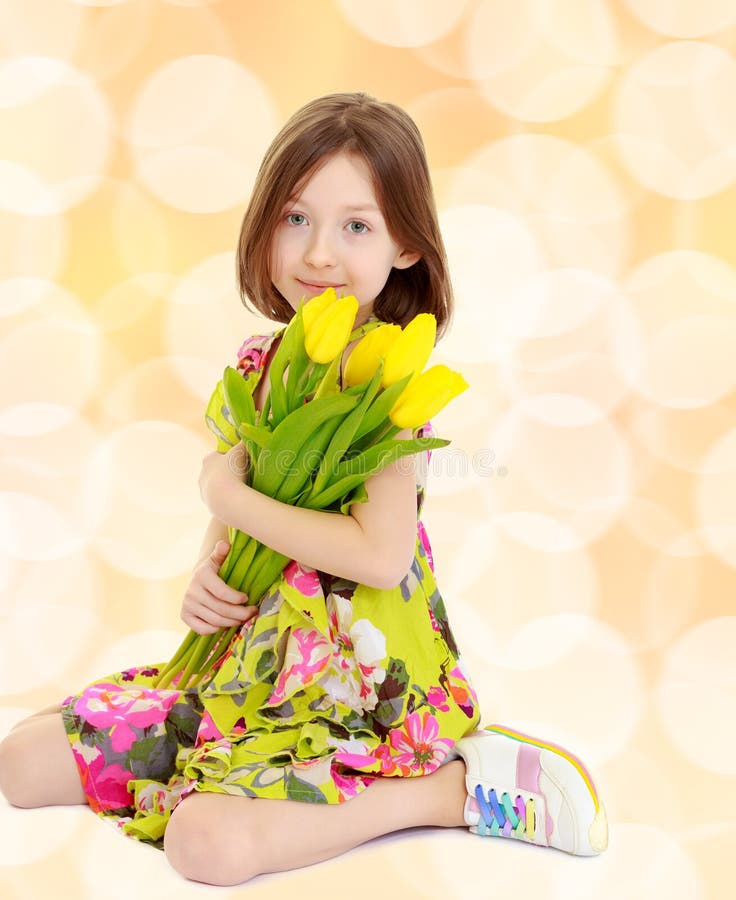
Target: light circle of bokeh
{"type": "Point", "coordinates": [410, 23]}
{"type": "Point", "coordinates": [200, 156]}
{"type": "Point", "coordinates": [560, 72]}
{"type": "Point", "coordinates": [684, 18]}
{"type": "Point", "coordinates": [140, 499]}
{"type": "Point", "coordinates": [39, 97]}
{"type": "Point", "coordinates": [675, 120]}
{"type": "Point", "coordinates": [696, 687]}
{"type": "Point", "coordinates": [715, 499]}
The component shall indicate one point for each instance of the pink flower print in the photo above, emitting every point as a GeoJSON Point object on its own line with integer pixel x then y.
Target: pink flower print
{"type": "Point", "coordinates": [424, 538]}
{"type": "Point", "coordinates": [354, 753]}
{"type": "Point", "coordinates": [348, 786]}
{"type": "Point", "coordinates": [436, 697]}
{"type": "Point", "coordinates": [250, 354]}
{"type": "Point", "coordinates": [207, 730]}
{"type": "Point", "coordinates": [341, 638]}
{"type": "Point", "coordinates": [106, 787]}
{"type": "Point", "coordinates": [420, 750]}
{"type": "Point", "coordinates": [383, 755]}
{"type": "Point", "coordinates": [432, 619]}
{"type": "Point", "coordinates": [305, 580]}
{"type": "Point", "coordinates": [428, 431]}
{"type": "Point", "coordinates": [460, 675]}
{"type": "Point", "coordinates": [306, 655]}
{"type": "Point", "coordinates": [358, 649]}
{"type": "Point", "coordinates": [122, 709]}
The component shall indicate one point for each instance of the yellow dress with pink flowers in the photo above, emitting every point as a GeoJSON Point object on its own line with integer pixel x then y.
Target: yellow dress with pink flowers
{"type": "Point", "coordinates": [332, 685]}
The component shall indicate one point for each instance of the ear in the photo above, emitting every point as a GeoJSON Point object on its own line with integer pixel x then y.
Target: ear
{"type": "Point", "coordinates": [405, 259]}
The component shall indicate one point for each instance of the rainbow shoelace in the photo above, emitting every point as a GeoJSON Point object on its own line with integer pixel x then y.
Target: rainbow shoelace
{"type": "Point", "coordinates": [505, 819]}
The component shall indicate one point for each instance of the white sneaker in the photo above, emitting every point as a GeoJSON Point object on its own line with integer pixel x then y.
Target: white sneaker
{"type": "Point", "coordinates": [532, 790]}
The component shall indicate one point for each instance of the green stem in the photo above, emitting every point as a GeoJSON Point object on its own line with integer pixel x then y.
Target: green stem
{"type": "Point", "coordinates": [274, 564]}
{"type": "Point", "coordinates": [197, 657]}
{"type": "Point", "coordinates": [170, 669]}
{"type": "Point", "coordinates": [249, 577]}
{"type": "Point", "coordinates": [223, 641]}
{"type": "Point", "coordinates": [266, 409]}
{"type": "Point", "coordinates": [243, 562]}
{"type": "Point", "coordinates": [236, 546]}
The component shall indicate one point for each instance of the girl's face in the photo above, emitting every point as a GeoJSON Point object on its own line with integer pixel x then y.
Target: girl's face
{"type": "Point", "coordinates": [334, 234]}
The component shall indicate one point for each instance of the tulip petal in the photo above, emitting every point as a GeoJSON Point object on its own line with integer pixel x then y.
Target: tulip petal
{"type": "Point", "coordinates": [426, 395]}
{"type": "Point", "coordinates": [411, 350]}
{"type": "Point", "coordinates": [363, 360]}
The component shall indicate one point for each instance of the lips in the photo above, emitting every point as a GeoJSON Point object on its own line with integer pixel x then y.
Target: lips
{"type": "Point", "coordinates": [317, 284]}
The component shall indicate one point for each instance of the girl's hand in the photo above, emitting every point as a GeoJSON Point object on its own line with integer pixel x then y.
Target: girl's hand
{"type": "Point", "coordinates": [210, 604]}
{"type": "Point", "coordinates": [221, 472]}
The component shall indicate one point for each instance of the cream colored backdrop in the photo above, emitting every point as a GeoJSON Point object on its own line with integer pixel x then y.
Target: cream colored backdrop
{"type": "Point", "coordinates": [583, 519]}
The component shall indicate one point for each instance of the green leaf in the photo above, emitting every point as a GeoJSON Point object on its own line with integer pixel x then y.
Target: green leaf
{"type": "Point", "coordinates": [289, 437]}
{"type": "Point", "coordinates": [298, 364]}
{"type": "Point", "coordinates": [296, 789]}
{"type": "Point", "coordinates": [358, 495]}
{"type": "Point", "coordinates": [299, 475]}
{"type": "Point", "coordinates": [265, 664]}
{"type": "Point", "coordinates": [357, 470]}
{"type": "Point", "coordinates": [238, 397]}
{"type": "Point", "coordinates": [346, 431]}
{"type": "Point", "coordinates": [377, 414]}
{"type": "Point", "coordinates": [277, 389]}
{"type": "Point", "coordinates": [328, 385]}
{"type": "Point", "coordinates": [260, 435]}
{"type": "Point", "coordinates": [141, 750]}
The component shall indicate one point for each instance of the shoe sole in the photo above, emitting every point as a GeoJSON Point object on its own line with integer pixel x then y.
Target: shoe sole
{"type": "Point", "coordinates": [598, 831]}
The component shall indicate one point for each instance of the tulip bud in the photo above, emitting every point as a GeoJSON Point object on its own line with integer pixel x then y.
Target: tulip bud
{"type": "Point", "coordinates": [328, 334]}
{"type": "Point", "coordinates": [312, 309]}
{"type": "Point", "coordinates": [363, 361]}
{"type": "Point", "coordinates": [411, 349]}
{"type": "Point", "coordinates": [426, 395]}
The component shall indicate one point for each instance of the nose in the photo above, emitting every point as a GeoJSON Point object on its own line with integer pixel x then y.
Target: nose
{"type": "Point", "coordinates": [320, 250]}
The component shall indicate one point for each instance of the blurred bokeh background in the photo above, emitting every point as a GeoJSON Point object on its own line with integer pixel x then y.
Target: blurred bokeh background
{"type": "Point", "coordinates": [583, 520]}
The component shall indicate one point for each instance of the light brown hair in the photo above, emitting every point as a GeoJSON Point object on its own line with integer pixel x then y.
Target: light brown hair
{"type": "Point", "coordinates": [386, 137]}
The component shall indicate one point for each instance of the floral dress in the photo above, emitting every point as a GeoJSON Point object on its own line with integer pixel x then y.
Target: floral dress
{"type": "Point", "coordinates": [332, 685]}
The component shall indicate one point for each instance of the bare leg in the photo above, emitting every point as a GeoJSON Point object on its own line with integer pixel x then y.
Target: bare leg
{"type": "Point", "coordinates": [46, 711]}
{"type": "Point", "coordinates": [37, 766]}
{"type": "Point", "coordinates": [225, 840]}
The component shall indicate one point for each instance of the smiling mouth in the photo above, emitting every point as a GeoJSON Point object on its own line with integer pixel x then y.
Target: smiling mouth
{"type": "Point", "coordinates": [312, 284]}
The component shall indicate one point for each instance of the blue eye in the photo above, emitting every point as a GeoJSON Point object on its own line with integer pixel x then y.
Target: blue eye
{"type": "Point", "coordinates": [356, 222]}
{"type": "Point", "coordinates": [289, 215]}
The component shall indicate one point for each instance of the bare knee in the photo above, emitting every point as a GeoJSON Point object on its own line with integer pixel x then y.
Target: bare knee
{"type": "Point", "coordinates": [201, 846]}
{"type": "Point", "coordinates": [13, 772]}
{"type": "Point", "coordinates": [37, 767]}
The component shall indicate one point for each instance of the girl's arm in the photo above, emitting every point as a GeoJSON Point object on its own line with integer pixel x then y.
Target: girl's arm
{"type": "Point", "coordinates": [374, 544]}
{"type": "Point", "coordinates": [216, 531]}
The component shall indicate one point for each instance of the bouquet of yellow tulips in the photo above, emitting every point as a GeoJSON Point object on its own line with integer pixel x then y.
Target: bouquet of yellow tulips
{"type": "Point", "coordinates": [314, 445]}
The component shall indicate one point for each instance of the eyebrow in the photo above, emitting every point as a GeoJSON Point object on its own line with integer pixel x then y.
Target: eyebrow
{"type": "Point", "coordinates": [361, 207]}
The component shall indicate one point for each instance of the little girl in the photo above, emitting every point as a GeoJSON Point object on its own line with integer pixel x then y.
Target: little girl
{"type": "Point", "coordinates": [345, 688]}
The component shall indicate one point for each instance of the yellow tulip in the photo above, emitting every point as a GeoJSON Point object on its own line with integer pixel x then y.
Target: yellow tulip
{"type": "Point", "coordinates": [411, 350]}
{"type": "Point", "coordinates": [363, 361]}
{"type": "Point", "coordinates": [328, 334]}
{"type": "Point", "coordinates": [317, 305]}
{"type": "Point", "coordinates": [426, 395]}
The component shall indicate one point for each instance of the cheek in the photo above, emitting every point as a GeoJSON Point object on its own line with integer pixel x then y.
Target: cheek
{"type": "Point", "coordinates": [276, 259]}
{"type": "Point", "coordinates": [283, 248]}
